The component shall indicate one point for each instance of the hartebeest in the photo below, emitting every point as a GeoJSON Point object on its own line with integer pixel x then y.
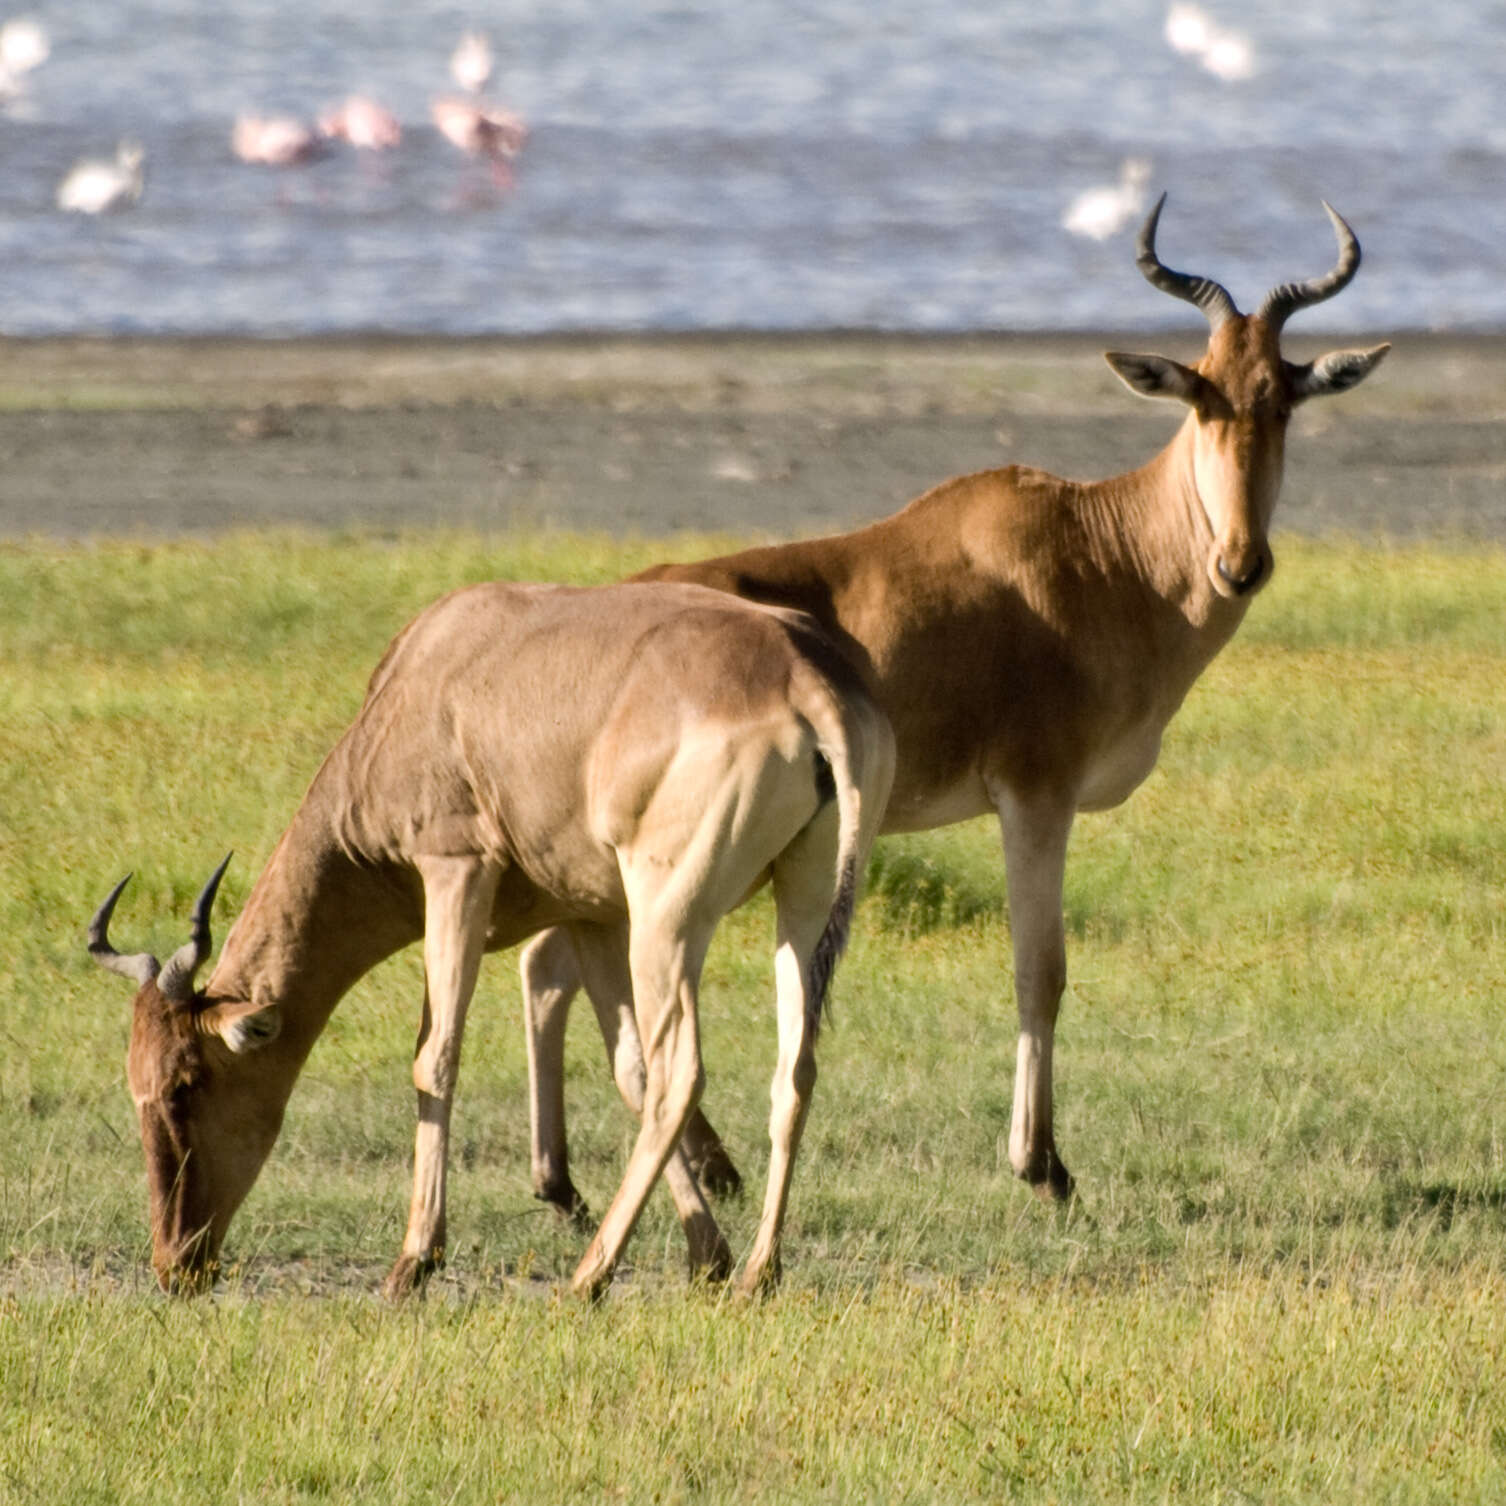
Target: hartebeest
{"type": "Point", "coordinates": [1030, 638]}
{"type": "Point", "coordinates": [629, 761]}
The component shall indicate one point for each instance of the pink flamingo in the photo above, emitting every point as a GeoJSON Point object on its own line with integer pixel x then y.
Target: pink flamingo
{"type": "Point", "coordinates": [273, 140]}
{"type": "Point", "coordinates": [480, 129]}
{"type": "Point", "coordinates": [363, 123]}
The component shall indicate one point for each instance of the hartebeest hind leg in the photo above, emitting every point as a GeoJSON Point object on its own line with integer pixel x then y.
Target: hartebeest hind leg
{"type": "Point", "coordinates": [458, 894]}
{"type": "Point", "coordinates": [666, 964]}
{"type": "Point", "coordinates": [1035, 858]}
{"type": "Point", "coordinates": [803, 897]}
{"type": "Point", "coordinates": [551, 977]}
{"type": "Point", "coordinates": [602, 954]}
{"type": "Point", "coordinates": [550, 974]}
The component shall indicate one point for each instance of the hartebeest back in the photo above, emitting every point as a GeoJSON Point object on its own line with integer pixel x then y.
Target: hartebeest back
{"type": "Point", "coordinates": [628, 762]}
{"type": "Point", "coordinates": [1030, 638]}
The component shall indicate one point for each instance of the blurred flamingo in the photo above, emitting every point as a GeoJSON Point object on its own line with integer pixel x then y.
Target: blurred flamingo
{"type": "Point", "coordinates": [273, 140]}
{"type": "Point", "coordinates": [94, 186]}
{"type": "Point", "coordinates": [478, 128]}
{"type": "Point", "coordinates": [363, 123]}
{"type": "Point", "coordinates": [24, 46]}
{"type": "Point", "coordinates": [1225, 54]}
{"type": "Point", "coordinates": [481, 130]}
{"type": "Point", "coordinates": [471, 62]}
{"type": "Point", "coordinates": [1100, 212]}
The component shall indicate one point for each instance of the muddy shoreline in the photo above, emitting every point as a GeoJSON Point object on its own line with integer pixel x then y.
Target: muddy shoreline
{"type": "Point", "coordinates": [742, 434]}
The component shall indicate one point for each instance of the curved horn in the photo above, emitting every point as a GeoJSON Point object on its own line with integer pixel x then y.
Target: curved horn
{"type": "Point", "coordinates": [1208, 295]}
{"type": "Point", "coordinates": [176, 980]}
{"type": "Point", "coordinates": [142, 967]}
{"type": "Point", "coordinates": [1284, 301]}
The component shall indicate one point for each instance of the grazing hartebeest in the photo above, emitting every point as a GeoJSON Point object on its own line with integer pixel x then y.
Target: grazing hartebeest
{"type": "Point", "coordinates": [1030, 638]}
{"type": "Point", "coordinates": [631, 761]}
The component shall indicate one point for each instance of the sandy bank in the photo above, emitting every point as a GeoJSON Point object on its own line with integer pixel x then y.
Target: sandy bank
{"type": "Point", "coordinates": [746, 434]}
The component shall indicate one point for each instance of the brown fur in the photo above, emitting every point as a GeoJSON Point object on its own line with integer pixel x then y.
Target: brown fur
{"type": "Point", "coordinates": [1029, 638]}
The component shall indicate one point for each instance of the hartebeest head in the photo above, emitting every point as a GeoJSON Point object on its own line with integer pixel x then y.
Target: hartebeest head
{"type": "Point", "coordinates": [204, 1127]}
{"type": "Point", "coordinates": [1242, 394]}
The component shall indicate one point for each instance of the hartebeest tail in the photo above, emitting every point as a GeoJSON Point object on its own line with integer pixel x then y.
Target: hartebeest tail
{"type": "Point", "coordinates": [838, 736]}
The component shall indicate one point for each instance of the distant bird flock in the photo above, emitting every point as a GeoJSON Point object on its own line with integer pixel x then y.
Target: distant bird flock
{"type": "Point", "coordinates": [483, 129]}
{"type": "Point", "coordinates": [1225, 54]}
{"type": "Point", "coordinates": [469, 121]}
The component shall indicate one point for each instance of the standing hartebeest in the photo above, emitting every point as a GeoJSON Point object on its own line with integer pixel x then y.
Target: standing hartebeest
{"type": "Point", "coordinates": [1030, 638]}
{"type": "Point", "coordinates": [630, 762]}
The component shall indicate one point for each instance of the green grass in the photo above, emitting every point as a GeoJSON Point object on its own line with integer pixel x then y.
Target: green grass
{"type": "Point", "coordinates": [1281, 1084]}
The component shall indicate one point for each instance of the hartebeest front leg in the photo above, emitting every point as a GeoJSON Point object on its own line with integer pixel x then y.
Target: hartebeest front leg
{"type": "Point", "coordinates": [551, 976]}
{"type": "Point", "coordinates": [1035, 858]}
{"type": "Point", "coordinates": [458, 894]}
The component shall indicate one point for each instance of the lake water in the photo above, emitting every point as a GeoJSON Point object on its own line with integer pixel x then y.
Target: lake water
{"type": "Point", "coordinates": [829, 164]}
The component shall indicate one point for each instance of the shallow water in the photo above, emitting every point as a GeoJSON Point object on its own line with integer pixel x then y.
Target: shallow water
{"type": "Point", "coordinates": [841, 163]}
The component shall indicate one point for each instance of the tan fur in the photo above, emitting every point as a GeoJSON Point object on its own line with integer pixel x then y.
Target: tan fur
{"type": "Point", "coordinates": [628, 761]}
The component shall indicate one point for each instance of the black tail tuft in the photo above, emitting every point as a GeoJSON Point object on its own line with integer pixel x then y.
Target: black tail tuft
{"type": "Point", "coordinates": [830, 947]}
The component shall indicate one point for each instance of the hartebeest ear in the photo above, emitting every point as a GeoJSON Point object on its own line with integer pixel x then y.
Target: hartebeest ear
{"type": "Point", "coordinates": [1338, 371]}
{"type": "Point", "coordinates": [1157, 376]}
{"type": "Point", "coordinates": [242, 1026]}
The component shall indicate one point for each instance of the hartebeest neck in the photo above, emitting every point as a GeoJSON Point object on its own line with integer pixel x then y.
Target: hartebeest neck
{"type": "Point", "coordinates": [1155, 525]}
{"type": "Point", "coordinates": [318, 918]}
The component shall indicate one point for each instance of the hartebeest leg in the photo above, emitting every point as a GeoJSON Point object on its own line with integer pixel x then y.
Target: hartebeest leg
{"type": "Point", "coordinates": [665, 970]}
{"type": "Point", "coordinates": [458, 894]}
{"type": "Point", "coordinates": [1035, 858]}
{"type": "Point", "coordinates": [551, 977]}
{"type": "Point", "coordinates": [803, 896]}
{"type": "Point", "coordinates": [602, 956]}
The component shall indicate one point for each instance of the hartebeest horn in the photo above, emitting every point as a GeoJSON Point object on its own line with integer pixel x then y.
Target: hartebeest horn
{"type": "Point", "coordinates": [176, 980]}
{"type": "Point", "coordinates": [1284, 301]}
{"type": "Point", "coordinates": [142, 967]}
{"type": "Point", "coordinates": [1208, 295]}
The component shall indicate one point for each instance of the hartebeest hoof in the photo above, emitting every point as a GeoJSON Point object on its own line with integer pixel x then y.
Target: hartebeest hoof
{"type": "Point", "coordinates": [410, 1275]}
{"type": "Point", "coordinates": [761, 1280]}
{"type": "Point", "coordinates": [717, 1175]}
{"type": "Point", "coordinates": [593, 1276]}
{"type": "Point", "coordinates": [1047, 1177]}
{"type": "Point", "coordinates": [712, 1263]}
{"type": "Point", "coordinates": [568, 1203]}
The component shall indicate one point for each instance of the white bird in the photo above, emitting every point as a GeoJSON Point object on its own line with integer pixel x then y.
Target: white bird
{"type": "Point", "coordinates": [272, 140]}
{"type": "Point", "coordinates": [363, 123]}
{"type": "Point", "coordinates": [1098, 213]}
{"type": "Point", "coordinates": [93, 186]}
{"type": "Point", "coordinates": [1229, 57]}
{"type": "Point", "coordinates": [1188, 30]}
{"type": "Point", "coordinates": [471, 62]}
{"type": "Point", "coordinates": [24, 45]}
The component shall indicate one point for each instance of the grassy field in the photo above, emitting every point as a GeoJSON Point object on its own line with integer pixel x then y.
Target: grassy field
{"type": "Point", "coordinates": [1282, 1087]}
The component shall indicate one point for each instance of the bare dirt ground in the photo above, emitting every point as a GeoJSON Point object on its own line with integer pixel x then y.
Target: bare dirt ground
{"type": "Point", "coordinates": [736, 434]}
